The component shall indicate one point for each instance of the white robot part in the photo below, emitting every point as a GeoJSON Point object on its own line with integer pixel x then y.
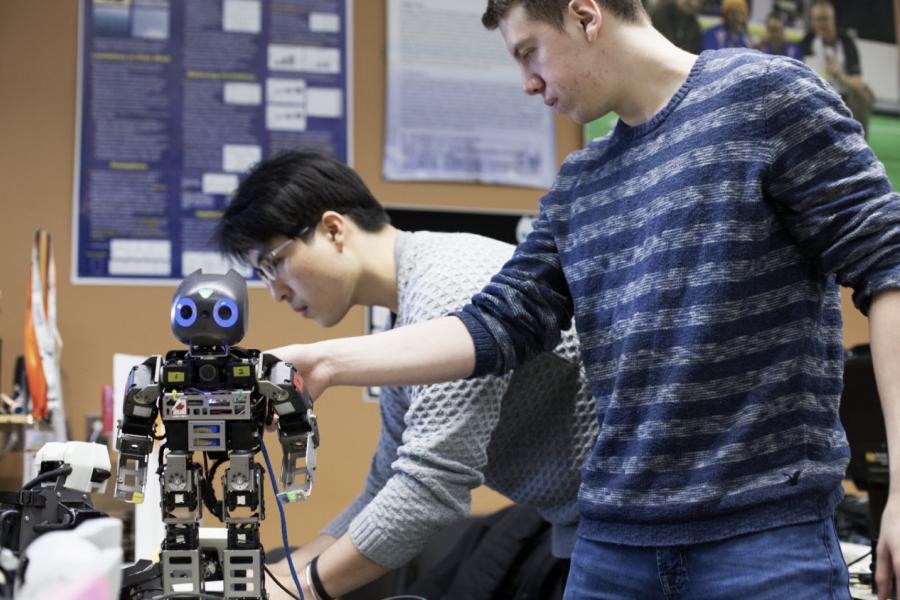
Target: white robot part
{"type": "Point", "coordinates": [90, 464]}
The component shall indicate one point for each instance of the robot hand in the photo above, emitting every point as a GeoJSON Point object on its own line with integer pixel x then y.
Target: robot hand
{"type": "Point", "coordinates": [298, 430]}
{"type": "Point", "coordinates": [134, 438]}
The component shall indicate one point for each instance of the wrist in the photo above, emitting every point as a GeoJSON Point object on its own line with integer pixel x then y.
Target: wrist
{"type": "Point", "coordinates": [308, 592]}
{"type": "Point", "coordinates": [315, 582]}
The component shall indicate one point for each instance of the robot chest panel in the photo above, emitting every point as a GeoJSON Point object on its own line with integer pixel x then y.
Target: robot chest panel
{"type": "Point", "coordinates": [216, 406]}
{"type": "Point", "coordinates": [209, 422]}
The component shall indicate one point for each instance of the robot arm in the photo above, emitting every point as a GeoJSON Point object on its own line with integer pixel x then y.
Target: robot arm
{"type": "Point", "coordinates": [298, 431]}
{"type": "Point", "coordinates": [134, 439]}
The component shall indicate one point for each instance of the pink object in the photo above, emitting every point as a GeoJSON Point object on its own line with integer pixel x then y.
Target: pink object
{"type": "Point", "coordinates": [107, 408]}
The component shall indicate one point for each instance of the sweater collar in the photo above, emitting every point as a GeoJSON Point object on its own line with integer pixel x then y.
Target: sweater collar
{"type": "Point", "coordinates": [627, 132]}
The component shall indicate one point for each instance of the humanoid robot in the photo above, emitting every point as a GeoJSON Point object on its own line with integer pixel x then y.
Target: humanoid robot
{"type": "Point", "coordinates": [214, 398]}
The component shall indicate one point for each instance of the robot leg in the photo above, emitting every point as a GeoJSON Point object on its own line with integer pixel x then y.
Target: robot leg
{"type": "Point", "coordinates": [181, 511]}
{"type": "Point", "coordinates": [242, 487]}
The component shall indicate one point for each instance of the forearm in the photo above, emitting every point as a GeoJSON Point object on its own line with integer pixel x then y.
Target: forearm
{"type": "Point", "coordinates": [342, 568]}
{"type": "Point", "coordinates": [303, 555]}
{"type": "Point", "coordinates": [884, 332]}
{"type": "Point", "coordinates": [427, 352]}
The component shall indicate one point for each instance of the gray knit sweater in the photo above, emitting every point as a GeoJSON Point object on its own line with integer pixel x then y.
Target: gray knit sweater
{"type": "Point", "coordinates": [524, 434]}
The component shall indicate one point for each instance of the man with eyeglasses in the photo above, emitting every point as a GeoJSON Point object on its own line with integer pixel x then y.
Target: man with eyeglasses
{"type": "Point", "coordinates": [322, 243]}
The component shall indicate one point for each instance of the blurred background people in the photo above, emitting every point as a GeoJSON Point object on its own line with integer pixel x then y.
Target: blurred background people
{"type": "Point", "coordinates": [677, 20]}
{"type": "Point", "coordinates": [791, 11]}
{"type": "Point", "coordinates": [732, 32]}
{"type": "Point", "coordinates": [775, 42]}
{"type": "Point", "coordinates": [834, 56]}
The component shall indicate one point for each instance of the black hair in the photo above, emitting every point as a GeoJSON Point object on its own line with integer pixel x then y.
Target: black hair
{"type": "Point", "coordinates": [289, 192]}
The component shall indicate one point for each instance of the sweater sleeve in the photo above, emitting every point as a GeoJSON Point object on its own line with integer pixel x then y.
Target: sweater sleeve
{"type": "Point", "coordinates": [524, 308]}
{"type": "Point", "coordinates": [440, 460]}
{"type": "Point", "coordinates": [380, 467]}
{"type": "Point", "coordinates": [827, 186]}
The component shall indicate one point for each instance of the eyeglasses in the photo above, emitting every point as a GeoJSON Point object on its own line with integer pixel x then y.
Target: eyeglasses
{"type": "Point", "coordinates": [267, 266]}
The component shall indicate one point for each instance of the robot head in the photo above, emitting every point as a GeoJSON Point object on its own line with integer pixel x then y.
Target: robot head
{"type": "Point", "coordinates": [210, 310]}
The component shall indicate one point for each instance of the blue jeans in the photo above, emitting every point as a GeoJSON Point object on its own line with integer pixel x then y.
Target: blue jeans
{"type": "Point", "coordinates": [795, 562]}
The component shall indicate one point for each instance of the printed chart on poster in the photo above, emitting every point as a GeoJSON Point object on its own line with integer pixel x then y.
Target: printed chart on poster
{"type": "Point", "coordinates": [176, 101]}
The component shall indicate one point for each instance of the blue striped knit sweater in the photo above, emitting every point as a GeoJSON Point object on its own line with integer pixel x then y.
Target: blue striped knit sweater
{"type": "Point", "coordinates": [699, 254]}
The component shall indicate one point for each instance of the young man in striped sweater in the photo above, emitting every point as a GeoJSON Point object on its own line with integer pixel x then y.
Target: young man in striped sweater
{"type": "Point", "coordinates": [699, 248]}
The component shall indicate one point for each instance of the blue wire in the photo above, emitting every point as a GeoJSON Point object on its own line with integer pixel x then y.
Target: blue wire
{"type": "Point", "coordinates": [284, 538]}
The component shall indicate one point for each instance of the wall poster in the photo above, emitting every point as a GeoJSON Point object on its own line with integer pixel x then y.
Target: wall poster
{"type": "Point", "coordinates": [176, 101]}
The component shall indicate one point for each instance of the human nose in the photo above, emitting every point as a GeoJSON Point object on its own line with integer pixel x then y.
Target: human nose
{"type": "Point", "coordinates": [532, 84]}
{"type": "Point", "coordinates": [279, 291]}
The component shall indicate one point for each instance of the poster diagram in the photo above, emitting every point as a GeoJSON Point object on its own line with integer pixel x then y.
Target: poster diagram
{"type": "Point", "coordinates": [176, 101]}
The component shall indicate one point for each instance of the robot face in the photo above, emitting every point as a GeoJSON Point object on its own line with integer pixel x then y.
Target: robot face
{"type": "Point", "coordinates": [210, 310]}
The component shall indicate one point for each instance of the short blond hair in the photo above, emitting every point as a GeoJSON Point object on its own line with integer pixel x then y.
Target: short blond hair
{"type": "Point", "coordinates": [735, 5]}
{"type": "Point", "coordinates": [552, 11]}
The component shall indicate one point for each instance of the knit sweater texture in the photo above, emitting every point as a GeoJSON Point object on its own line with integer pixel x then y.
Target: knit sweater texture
{"type": "Point", "coordinates": [699, 254]}
{"type": "Point", "coordinates": [525, 434]}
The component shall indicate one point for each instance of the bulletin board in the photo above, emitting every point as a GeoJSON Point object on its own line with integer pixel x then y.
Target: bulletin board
{"type": "Point", "coordinates": [176, 101]}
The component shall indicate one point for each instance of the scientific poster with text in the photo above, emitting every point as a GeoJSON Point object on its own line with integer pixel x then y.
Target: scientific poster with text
{"type": "Point", "coordinates": [455, 106]}
{"type": "Point", "coordinates": [177, 100]}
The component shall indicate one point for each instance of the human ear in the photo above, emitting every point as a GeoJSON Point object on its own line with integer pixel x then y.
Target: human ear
{"type": "Point", "coordinates": [588, 15]}
{"type": "Point", "coordinates": [334, 224]}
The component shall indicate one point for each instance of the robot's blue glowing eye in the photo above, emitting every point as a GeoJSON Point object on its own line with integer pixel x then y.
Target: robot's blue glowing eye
{"type": "Point", "coordinates": [225, 312]}
{"type": "Point", "coordinates": [184, 312]}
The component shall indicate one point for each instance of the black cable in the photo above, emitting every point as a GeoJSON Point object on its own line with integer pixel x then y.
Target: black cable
{"type": "Point", "coordinates": [6, 514]}
{"type": "Point", "coordinates": [204, 483]}
{"type": "Point", "coordinates": [859, 558]}
{"type": "Point", "coordinates": [160, 467]}
{"type": "Point", "coordinates": [49, 475]}
{"type": "Point", "coordinates": [65, 523]}
{"type": "Point", "coordinates": [208, 492]}
{"type": "Point", "coordinates": [279, 584]}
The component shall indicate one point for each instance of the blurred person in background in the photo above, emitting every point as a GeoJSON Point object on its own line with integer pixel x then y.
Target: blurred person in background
{"type": "Point", "coordinates": [833, 55]}
{"type": "Point", "coordinates": [732, 32]}
{"type": "Point", "coordinates": [677, 20]}
{"type": "Point", "coordinates": [775, 42]}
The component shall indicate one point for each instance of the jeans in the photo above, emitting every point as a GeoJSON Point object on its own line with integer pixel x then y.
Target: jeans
{"type": "Point", "coordinates": [795, 562]}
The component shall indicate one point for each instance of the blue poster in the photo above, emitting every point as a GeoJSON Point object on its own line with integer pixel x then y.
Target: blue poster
{"type": "Point", "coordinates": [177, 100]}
